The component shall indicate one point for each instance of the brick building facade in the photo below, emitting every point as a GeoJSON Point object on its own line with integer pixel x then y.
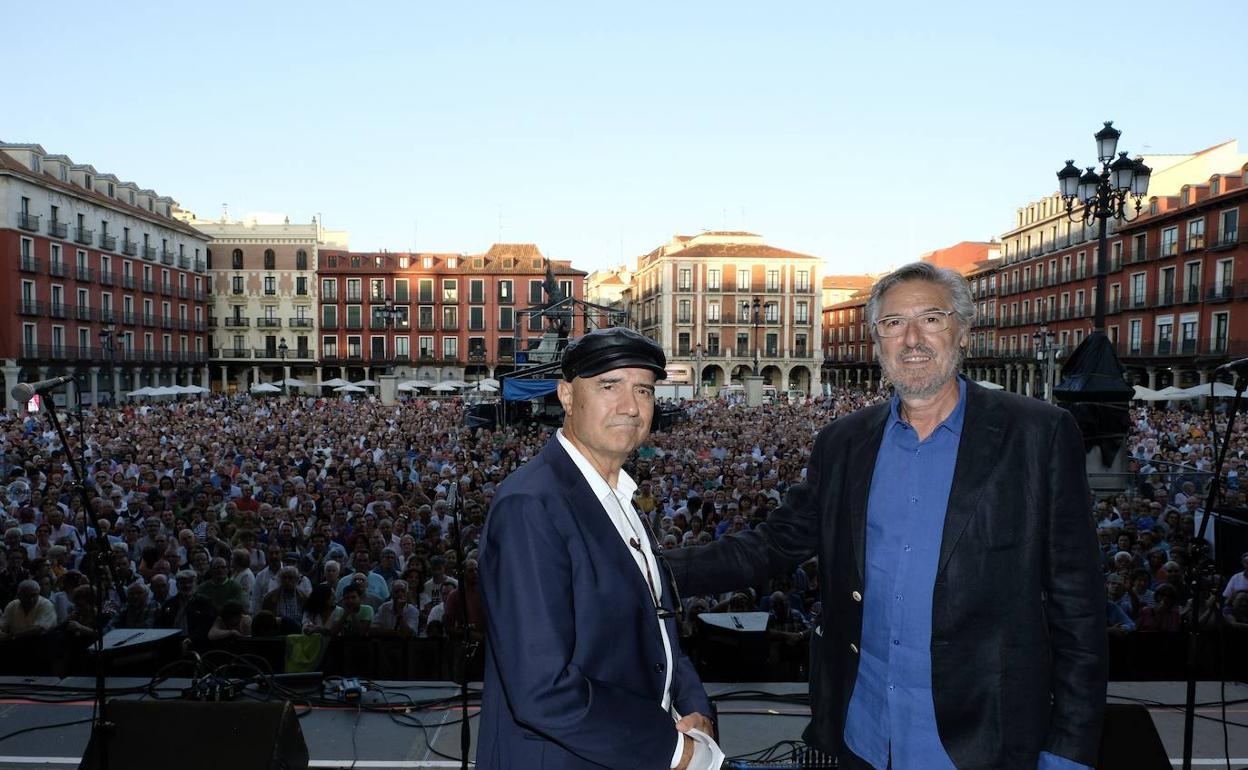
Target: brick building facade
{"type": "Point", "coordinates": [104, 284]}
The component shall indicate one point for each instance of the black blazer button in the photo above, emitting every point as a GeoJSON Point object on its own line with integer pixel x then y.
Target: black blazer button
{"type": "Point", "coordinates": [658, 668]}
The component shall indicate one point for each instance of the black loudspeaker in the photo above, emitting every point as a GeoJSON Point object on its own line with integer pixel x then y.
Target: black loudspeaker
{"type": "Point", "coordinates": [202, 736]}
{"type": "Point", "coordinates": [1129, 740]}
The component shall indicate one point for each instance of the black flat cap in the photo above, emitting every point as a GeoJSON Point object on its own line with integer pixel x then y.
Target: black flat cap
{"type": "Point", "coordinates": [615, 348]}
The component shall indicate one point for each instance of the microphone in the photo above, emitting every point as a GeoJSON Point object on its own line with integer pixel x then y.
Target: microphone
{"type": "Point", "coordinates": [1240, 367]}
{"type": "Point", "coordinates": [25, 391]}
{"type": "Point", "coordinates": [452, 494]}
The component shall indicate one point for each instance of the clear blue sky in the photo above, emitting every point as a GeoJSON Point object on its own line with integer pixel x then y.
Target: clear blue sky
{"type": "Point", "coordinates": [864, 133]}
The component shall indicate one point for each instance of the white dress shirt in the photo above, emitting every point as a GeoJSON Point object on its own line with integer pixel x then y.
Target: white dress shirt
{"type": "Point", "coordinates": [618, 505]}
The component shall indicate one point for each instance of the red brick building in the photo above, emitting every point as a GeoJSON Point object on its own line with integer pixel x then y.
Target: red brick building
{"type": "Point", "coordinates": [104, 282]}
{"type": "Point", "coordinates": [433, 316]}
{"type": "Point", "coordinates": [1178, 278]}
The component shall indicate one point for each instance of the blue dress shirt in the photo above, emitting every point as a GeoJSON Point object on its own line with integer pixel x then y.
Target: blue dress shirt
{"type": "Point", "coordinates": [892, 716]}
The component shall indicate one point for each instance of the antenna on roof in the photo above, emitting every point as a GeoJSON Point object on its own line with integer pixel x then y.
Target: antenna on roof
{"type": "Point", "coordinates": [225, 212]}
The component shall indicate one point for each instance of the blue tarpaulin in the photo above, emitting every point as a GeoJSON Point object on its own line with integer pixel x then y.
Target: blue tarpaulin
{"type": "Point", "coordinates": [525, 390]}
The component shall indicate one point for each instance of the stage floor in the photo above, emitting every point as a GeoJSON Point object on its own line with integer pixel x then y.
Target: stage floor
{"type": "Point", "coordinates": [379, 742]}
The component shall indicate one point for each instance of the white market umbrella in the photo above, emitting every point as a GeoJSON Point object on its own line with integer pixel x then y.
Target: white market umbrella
{"type": "Point", "coordinates": [294, 382]}
{"type": "Point", "coordinates": [411, 385]}
{"type": "Point", "coordinates": [1175, 394]}
{"type": "Point", "coordinates": [442, 387]}
{"type": "Point", "coordinates": [365, 383]}
{"type": "Point", "coordinates": [1143, 393]}
{"type": "Point", "coordinates": [989, 385]}
{"type": "Point", "coordinates": [146, 390]}
{"type": "Point", "coordinates": [348, 388]}
{"type": "Point", "coordinates": [337, 382]}
{"type": "Point", "coordinates": [485, 387]}
{"type": "Point", "coordinates": [1220, 390]}
{"type": "Point", "coordinates": [196, 390]}
{"type": "Point", "coordinates": [265, 387]}
{"type": "Point", "coordinates": [491, 381]}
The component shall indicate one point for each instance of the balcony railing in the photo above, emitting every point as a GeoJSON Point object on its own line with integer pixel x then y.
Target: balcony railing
{"type": "Point", "coordinates": [166, 289]}
{"type": "Point", "coordinates": [28, 263]}
{"type": "Point", "coordinates": [1195, 242]}
{"type": "Point", "coordinates": [200, 266]}
{"type": "Point", "coordinates": [231, 353]}
{"type": "Point", "coordinates": [108, 277]}
{"type": "Point", "coordinates": [108, 242]}
{"type": "Point", "coordinates": [84, 274]}
{"type": "Point", "coordinates": [84, 313]}
{"type": "Point", "coordinates": [1165, 298]}
{"type": "Point", "coordinates": [127, 281]}
{"type": "Point", "coordinates": [168, 258]}
{"type": "Point", "coordinates": [184, 262]}
{"type": "Point", "coordinates": [28, 221]}
{"type": "Point", "coordinates": [329, 325]}
{"type": "Point", "coordinates": [1191, 294]}
{"type": "Point", "coordinates": [1224, 240]}
{"type": "Point", "coordinates": [57, 229]}
{"type": "Point", "coordinates": [30, 307]}
{"type": "Point", "coordinates": [268, 323]}
{"type": "Point", "coordinates": [129, 248]}
{"type": "Point", "coordinates": [237, 323]}
{"type": "Point", "coordinates": [149, 253]}
{"type": "Point", "coordinates": [84, 236]}
{"type": "Point", "coordinates": [300, 323]}
{"type": "Point", "coordinates": [56, 269]}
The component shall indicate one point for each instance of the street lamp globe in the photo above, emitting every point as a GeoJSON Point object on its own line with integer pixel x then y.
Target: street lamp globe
{"type": "Point", "coordinates": [1139, 179]}
{"type": "Point", "coordinates": [1107, 142]}
{"type": "Point", "coordinates": [1123, 171]}
{"type": "Point", "coordinates": [1068, 180]}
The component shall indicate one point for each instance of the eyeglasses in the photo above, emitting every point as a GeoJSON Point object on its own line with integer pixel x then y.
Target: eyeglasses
{"type": "Point", "coordinates": [931, 322]}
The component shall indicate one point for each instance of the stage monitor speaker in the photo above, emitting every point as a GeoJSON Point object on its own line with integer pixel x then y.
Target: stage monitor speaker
{"type": "Point", "coordinates": [195, 735]}
{"type": "Point", "coordinates": [1129, 740]}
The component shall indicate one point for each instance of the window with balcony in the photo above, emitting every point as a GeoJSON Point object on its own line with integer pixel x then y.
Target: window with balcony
{"type": "Point", "coordinates": [773, 280]}
{"type": "Point", "coordinates": [565, 289]}
{"type": "Point", "coordinates": [236, 259]}
{"type": "Point", "coordinates": [506, 319]}
{"type": "Point", "coordinates": [801, 313]}
{"type": "Point", "coordinates": [1228, 228]}
{"type": "Point", "coordinates": [1169, 241]}
{"type": "Point", "coordinates": [301, 260]}
{"type": "Point", "coordinates": [476, 290]}
{"type": "Point", "coordinates": [401, 294]}
{"type": "Point", "coordinates": [301, 286]}
{"type": "Point", "coordinates": [424, 290]}
{"type": "Point", "coordinates": [505, 290]}
{"type": "Point", "coordinates": [329, 289]}
{"type": "Point", "coordinates": [402, 347]}
{"type": "Point", "coordinates": [355, 317]}
{"type": "Point", "coordinates": [450, 318]}
{"type": "Point", "coordinates": [476, 318]}
{"type": "Point", "coordinates": [712, 312]}
{"type": "Point", "coordinates": [329, 316]}
{"type": "Point", "coordinates": [1220, 332]}
{"type": "Point", "coordinates": [270, 285]}
{"type": "Point", "coordinates": [270, 260]}
{"type": "Point", "coordinates": [236, 284]}
{"type": "Point", "coordinates": [354, 348]}
{"type": "Point", "coordinates": [450, 290]}
{"type": "Point", "coordinates": [771, 312]}
{"type": "Point", "coordinates": [684, 279]}
{"type": "Point", "coordinates": [712, 279]}
{"type": "Point", "coordinates": [1195, 234]}
{"type": "Point", "coordinates": [450, 348]}
{"type": "Point", "coordinates": [684, 311]}
{"type": "Point", "coordinates": [1165, 336]}
{"type": "Point", "coordinates": [743, 279]}
{"type": "Point", "coordinates": [354, 287]}
{"type": "Point", "coordinates": [536, 296]}
{"type": "Point", "coordinates": [376, 289]}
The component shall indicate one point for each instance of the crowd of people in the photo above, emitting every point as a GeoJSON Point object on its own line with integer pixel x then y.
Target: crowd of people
{"type": "Point", "coordinates": [237, 516]}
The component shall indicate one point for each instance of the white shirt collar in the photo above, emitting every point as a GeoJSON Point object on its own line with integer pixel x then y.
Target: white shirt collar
{"type": "Point", "coordinates": [625, 486]}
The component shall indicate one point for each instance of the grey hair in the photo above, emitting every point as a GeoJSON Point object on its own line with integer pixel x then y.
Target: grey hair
{"type": "Point", "coordinates": [948, 279]}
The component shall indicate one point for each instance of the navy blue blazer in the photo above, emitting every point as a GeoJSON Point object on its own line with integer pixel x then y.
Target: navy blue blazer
{"type": "Point", "coordinates": [575, 666]}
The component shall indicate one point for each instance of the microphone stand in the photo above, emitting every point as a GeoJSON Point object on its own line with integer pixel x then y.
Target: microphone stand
{"type": "Point", "coordinates": [101, 728]}
{"type": "Point", "coordinates": [465, 729]}
{"type": "Point", "coordinates": [1202, 561]}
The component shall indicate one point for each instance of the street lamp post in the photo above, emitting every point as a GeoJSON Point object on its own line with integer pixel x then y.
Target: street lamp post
{"type": "Point", "coordinates": [106, 347]}
{"type": "Point", "coordinates": [756, 304]}
{"type": "Point", "coordinates": [1046, 354]}
{"type": "Point", "coordinates": [1101, 196]}
{"type": "Point", "coordinates": [388, 312]}
{"type": "Point", "coordinates": [697, 370]}
{"type": "Point", "coordinates": [281, 352]}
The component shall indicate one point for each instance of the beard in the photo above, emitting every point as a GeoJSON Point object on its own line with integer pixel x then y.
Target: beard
{"type": "Point", "coordinates": [915, 385]}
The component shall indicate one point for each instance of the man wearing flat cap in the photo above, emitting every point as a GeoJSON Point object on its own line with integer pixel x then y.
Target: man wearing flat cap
{"type": "Point", "coordinates": [584, 667]}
